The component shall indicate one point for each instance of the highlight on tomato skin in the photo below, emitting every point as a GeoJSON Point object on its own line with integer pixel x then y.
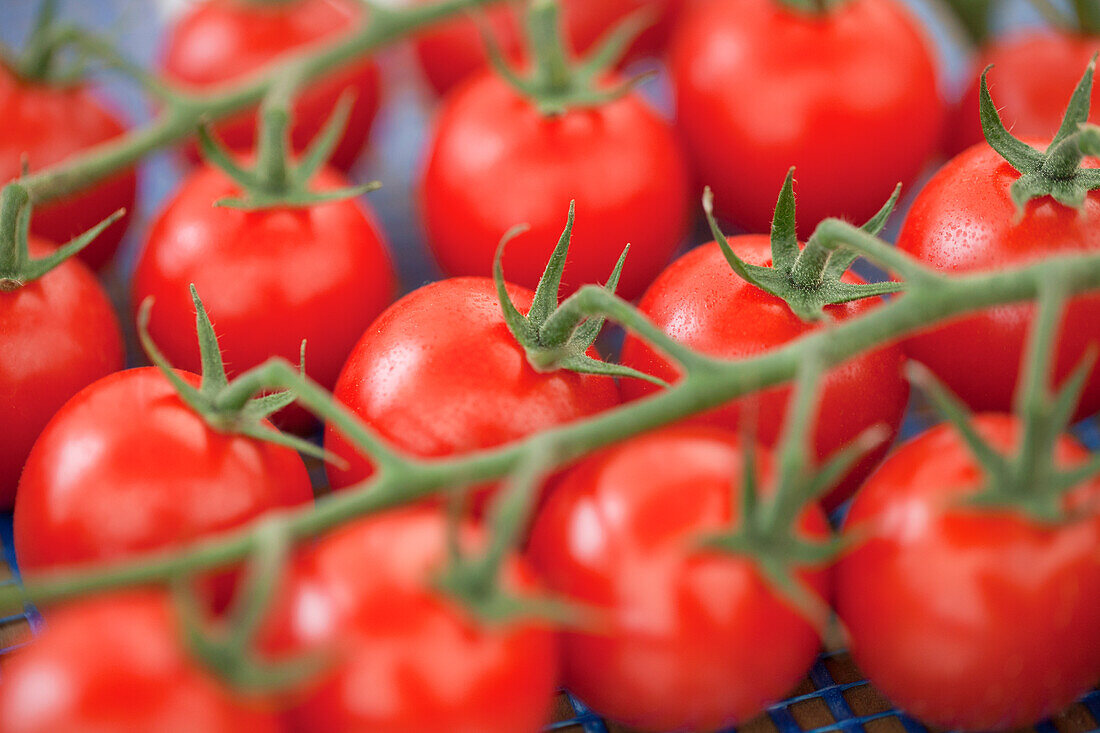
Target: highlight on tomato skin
{"type": "Point", "coordinates": [970, 618]}
{"type": "Point", "coordinates": [116, 662]}
{"type": "Point", "coordinates": [218, 42]}
{"type": "Point", "coordinates": [404, 655]}
{"type": "Point", "coordinates": [46, 124]}
{"type": "Point", "coordinates": [684, 638]}
{"type": "Point", "coordinates": [439, 374]}
{"type": "Point", "coordinates": [848, 95]}
{"type": "Point", "coordinates": [72, 339]}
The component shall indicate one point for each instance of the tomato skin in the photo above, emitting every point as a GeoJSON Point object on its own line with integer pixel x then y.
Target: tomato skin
{"type": "Point", "coordinates": [439, 374]}
{"type": "Point", "coordinates": [496, 161]}
{"type": "Point", "coordinates": [408, 659]}
{"type": "Point", "coordinates": [268, 279]}
{"type": "Point", "coordinates": [221, 41]}
{"type": "Point", "coordinates": [58, 334]}
{"type": "Point", "coordinates": [703, 303]}
{"type": "Point", "coordinates": [964, 221]}
{"type": "Point", "coordinates": [125, 467]}
{"type": "Point", "coordinates": [688, 640]}
{"type": "Point", "coordinates": [849, 98]}
{"type": "Point", "coordinates": [968, 618]}
{"type": "Point", "coordinates": [115, 664]}
{"type": "Point", "coordinates": [454, 51]}
{"type": "Point", "coordinates": [1033, 76]}
{"type": "Point", "coordinates": [50, 124]}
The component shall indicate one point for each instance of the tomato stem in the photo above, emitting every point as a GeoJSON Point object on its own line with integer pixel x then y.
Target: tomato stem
{"type": "Point", "coordinates": [399, 481]}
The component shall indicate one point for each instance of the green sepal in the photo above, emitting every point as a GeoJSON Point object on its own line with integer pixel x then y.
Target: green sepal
{"type": "Point", "coordinates": [279, 183]}
{"type": "Point", "coordinates": [1026, 481]}
{"type": "Point", "coordinates": [247, 420]}
{"type": "Point", "coordinates": [1057, 172]}
{"type": "Point", "coordinates": [806, 278]}
{"type": "Point", "coordinates": [556, 83]}
{"type": "Point", "coordinates": [17, 268]}
{"type": "Point", "coordinates": [226, 647]}
{"type": "Point", "coordinates": [548, 350]}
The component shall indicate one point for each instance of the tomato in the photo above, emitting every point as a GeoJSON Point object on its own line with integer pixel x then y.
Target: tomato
{"type": "Point", "coordinates": [115, 664]}
{"type": "Point", "coordinates": [684, 638]}
{"type": "Point", "coordinates": [218, 42]}
{"type": "Point", "coordinates": [965, 221]}
{"type": "Point", "coordinates": [497, 161]}
{"type": "Point", "coordinates": [406, 658]}
{"type": "Point", "coordinates": [453, 51]}
{"type": "Point", "coordinates": [268, 278]}
{"type": "Point", "coordinates": [970, 618]}
{"type": "Point", "coordinates": [439, 374]}
{"type": "Point", "coordinates": [59, 334]}
{"type": "Point", "coordinates": [703, 303]}
{"type": "Point", "coordinates": [125, 467]}
{"type": "Point", "coordinates": [49, 124]}
{"type": "Point", "coordinates": [1034, 73]}
{"type": "Point", "coordinates": [849, 97]}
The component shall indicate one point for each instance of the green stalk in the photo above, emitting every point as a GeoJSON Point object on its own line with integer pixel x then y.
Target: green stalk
{"type": "Point", "coordinates": [184, 111]}
{"type": "Point", "coordinates": [703, 388]}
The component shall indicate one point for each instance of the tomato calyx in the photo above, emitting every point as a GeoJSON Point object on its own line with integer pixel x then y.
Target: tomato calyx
{"type": "Point", "coordinates": [811, 7]}
{"type": "Point", "coordinates": [215, 401]}
{"type": "Point", "coordinates": [275, 181]}
{"type": "Point", "coordinates": [226, 646]}
{"type": "Point", "coordinates": [1057, 172]}
{"type": "Point", "coordinates": [557, 337]}
{"type": "Point", "coordinates": [765, 529]}
{"type": "Point", "coordinates": [475, 580]}
{"type": "Point", "coordinates": [1028, 481]}
{"type": "Point", "coordinates": [38, 61]}
{"type": "Point", "coordinates": [809, 278]}
{"type": "Point", "coordinates": [556, 83]}
{"type": "Point", "coordinates": [17, 268]}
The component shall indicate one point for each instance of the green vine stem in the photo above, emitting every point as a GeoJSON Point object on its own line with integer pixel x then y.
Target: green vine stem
{"type": "Point", "coordinates": [184, 111]}
{"type": "Point", "coordinates": [707, 384]}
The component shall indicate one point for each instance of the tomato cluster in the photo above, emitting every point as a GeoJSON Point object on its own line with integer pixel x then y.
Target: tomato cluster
{"type": "Point", "coordinates": [679, 580]}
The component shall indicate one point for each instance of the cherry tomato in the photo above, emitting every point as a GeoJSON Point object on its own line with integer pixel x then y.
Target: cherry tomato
{"type": "Point", "coordinates": [702, 302]}
{"type": "Point", "coordinates": [688, 639]}
{"type": "Point", "coordinates": [115, 664]}
{"type": "Point", "coordinates": [49, 124]}
{"type": "Point", "coordinates": [440, 374]}
{"type": "Point", "coordinates": [126, 467]}
{"type": "Point", "coordinates": [221, 41]}
{"type": "Point", "coordinates": [497, 161]}
{"type": "Point", "coordinates": [268, 278]}
{"type": "Point", "coordinates": [970, 618]}
{"type": "Point", "coordinates": [965, 221]}
{"type": "Point", "coordinates": [60, 334]}
{"type": "Point", "coordinates": [406, 658]}
{"type": "Point", "coordinates": [1034, 73]}
{"type": "Point", "coordinates": [453, 51]}
{"type": "Point", "coordinates": [848, 96]}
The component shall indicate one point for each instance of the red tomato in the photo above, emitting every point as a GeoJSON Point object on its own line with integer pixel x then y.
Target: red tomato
{"type": "Point", "coordinates": [970, 618]}
{"type": "Point", "coordinates": [1034, 73]}
{"type": "Point", "coordinates": [702, 302]}
{"type": "Point", "coordinates": [49, 124]}
{"type": "Point", "coordinates": [60, 335]}
{"type": "Point", "coordinates": [221, 41]}
{"type": "Point", "coordinates": [126, 467]}
{"type": "Point", "coordinates": [440, 374]}
{"type": "Point", "coordinates": [965, 221]}
{"type": "Point", "coordinates": [268, 279]}
{"type": "Point", "coordinates": [407, 658]}
{"type": "Point", "coordinates": [497, 161]}
{"type": "Point", "coordinates": [115, 664]}
{"type": "Point", "coordinates": [848, 96]}
{"type": "Point", "coordinates": [453, 51]}
{"type": "Point", "coordinates": [691, 639]}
